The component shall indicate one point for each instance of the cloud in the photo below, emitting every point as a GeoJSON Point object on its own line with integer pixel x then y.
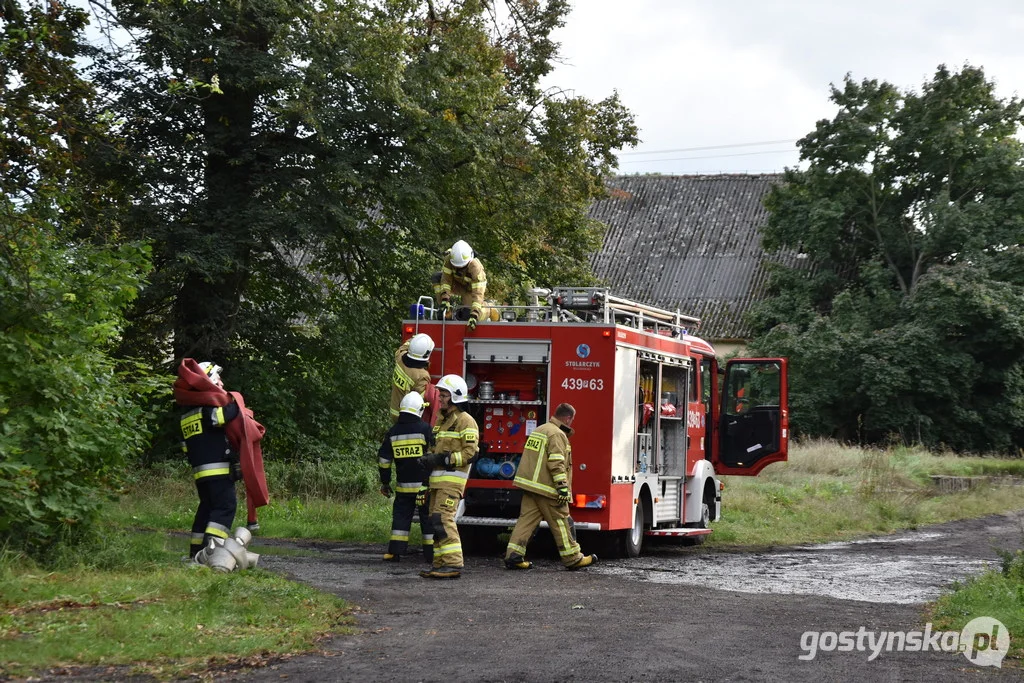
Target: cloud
{"type": "Point", "coordinates": [702, 74]}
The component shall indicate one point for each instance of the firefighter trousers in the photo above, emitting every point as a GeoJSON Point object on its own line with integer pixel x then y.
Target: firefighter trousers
{"type": "Point", "coordinates": [447, 544]}
{"type": "Point", "coordinates": [401, 522]}
{"type": "Point", "coordinates": [216, 511]}
{"type": "Point", "coordinates": [535, 508]}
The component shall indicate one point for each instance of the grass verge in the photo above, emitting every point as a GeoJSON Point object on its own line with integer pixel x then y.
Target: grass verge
{"type": "Point", "coordinates": [829, 492]}
{"type": "Point", "coordinates": [153, 615]}
{"type": "Point", "coordinates": [996, 594]}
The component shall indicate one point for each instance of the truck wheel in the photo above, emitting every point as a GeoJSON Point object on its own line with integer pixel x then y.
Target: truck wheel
{"type": "Point", "coordinates": [705, 520]}
{"type": "Point", "coordinates": [631, 540]}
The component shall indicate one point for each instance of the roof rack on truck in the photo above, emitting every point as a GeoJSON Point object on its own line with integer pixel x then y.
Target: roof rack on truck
{"type": "Point", "coordinates": [582, 305]}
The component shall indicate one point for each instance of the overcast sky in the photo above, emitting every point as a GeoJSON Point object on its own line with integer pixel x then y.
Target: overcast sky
{"type": "Point", "coordinates": [711, 73]}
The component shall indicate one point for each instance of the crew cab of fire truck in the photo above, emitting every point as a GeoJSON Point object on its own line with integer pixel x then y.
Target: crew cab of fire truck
{"type": "Point", "coordinates": [658, 422]}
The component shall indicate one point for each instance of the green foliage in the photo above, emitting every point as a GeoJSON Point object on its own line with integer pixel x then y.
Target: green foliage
{"type": "Point", "coordinates": [70, 415]}
{"type": "Point", "coordinates": [306, 164]}
{"type": "Point", "coordinates": [910, 322]}
{"type": "Point", "coordinates": [189, 619]}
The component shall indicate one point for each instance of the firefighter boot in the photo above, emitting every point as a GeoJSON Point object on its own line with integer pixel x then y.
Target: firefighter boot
{"type": "Point", "coordinates": [517, 562]}
{"type": "Point", "coordinates": [584, 561]}
{"type": "Point", "coordinates": [441, 573]}
{"type": "Point", "coordinates": [392, 557]}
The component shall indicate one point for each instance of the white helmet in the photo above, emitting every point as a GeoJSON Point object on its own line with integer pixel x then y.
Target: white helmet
{"type": "Point", "coordinates": [456, 386]}
{"type": "Point", "coordinates": [420, 346]}
{"type": "Point", "coordinates": [461, 254]}
{"type": "Point", "coordinates": [412, 403]}
{"type": "Point", "coordinates": [212, 371]}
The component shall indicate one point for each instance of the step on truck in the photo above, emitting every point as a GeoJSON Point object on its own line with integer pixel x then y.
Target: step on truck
{"type": "Point", "coordinates": [658, 418]}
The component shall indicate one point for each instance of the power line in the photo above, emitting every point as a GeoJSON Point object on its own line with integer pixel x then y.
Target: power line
{"type": "Point", "coordinates": [704, 149]}
{"type": "Point", "coordinates": [741, 154]}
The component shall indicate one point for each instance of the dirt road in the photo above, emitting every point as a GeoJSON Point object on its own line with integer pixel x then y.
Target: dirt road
{"type": "Point", "coordinates": [675, 614]}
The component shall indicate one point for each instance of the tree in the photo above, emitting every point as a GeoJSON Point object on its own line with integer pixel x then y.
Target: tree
{"type": "Point", "coordinates": [70, 415]}
{"type": "Point", "coordinates": [910, 321]}
{"type": "Point", "coordinates": [308, 163]}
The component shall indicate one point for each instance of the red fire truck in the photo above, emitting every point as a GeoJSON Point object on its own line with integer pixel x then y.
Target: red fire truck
{"type": "Point", "coordinates": [654, 425]}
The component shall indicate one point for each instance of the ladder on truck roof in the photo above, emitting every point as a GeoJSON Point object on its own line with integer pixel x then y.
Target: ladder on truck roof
{"type": "Point", "coordinates": [585, 303]}
{"type": "Point", "coordinates": [580, 304]}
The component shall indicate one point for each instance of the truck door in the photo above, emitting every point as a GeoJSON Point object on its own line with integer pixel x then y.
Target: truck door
{"type": "Point", "coordinates": [753, 416]}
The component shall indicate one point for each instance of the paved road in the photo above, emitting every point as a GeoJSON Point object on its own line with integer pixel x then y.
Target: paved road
{"type": "Point", "coordinates": [673, 615]}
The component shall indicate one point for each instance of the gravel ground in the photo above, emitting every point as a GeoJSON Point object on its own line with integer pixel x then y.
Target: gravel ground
{"type": "Point", "coordinates": [674, 614]}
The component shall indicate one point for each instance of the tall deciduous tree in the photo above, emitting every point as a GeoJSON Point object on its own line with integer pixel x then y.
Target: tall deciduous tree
{"type": "Point", "coordinates": [911, 320]}
{"type": "Point", "coordinates": [308, 162]}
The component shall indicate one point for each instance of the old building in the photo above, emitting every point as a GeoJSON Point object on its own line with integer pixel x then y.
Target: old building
{"type": "Point", "coordinates": [690, 243]}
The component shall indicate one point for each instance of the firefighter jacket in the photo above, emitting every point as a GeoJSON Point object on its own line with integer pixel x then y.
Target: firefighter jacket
{"type": "Point", "coordinates": [457, 433]}
{"type": "Point", "coordinates": [469, 281]}
{"type": "Point", "coordinates": [405, 443]}
{"type": "Point", "coordinates": [206, 442]}
{"type": "Point", "coordinates": [547, 460]}
{"type": "Point", "coordinates": [409, 375]}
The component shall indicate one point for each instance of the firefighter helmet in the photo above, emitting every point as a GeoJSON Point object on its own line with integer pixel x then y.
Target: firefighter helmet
{"type": "Point", "coordinates": [456, 386]}
{"type": "Point", "coordinates": [412, 403]}
{"type": "Point", "coordinates": [420, 346]}
{"type": "Point", "coordinates": [212, 371]}
{"type": "Point", "coordinates": [461, 254]}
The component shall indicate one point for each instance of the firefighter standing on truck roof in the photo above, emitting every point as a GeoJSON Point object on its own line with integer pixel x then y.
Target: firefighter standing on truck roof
{"type": "Point", "coordinates": [463, 274]}
{"type": "Point", "coordinates": [457, 443]}
{"type": "Point", "coordinates": [405, 444]}
{"type": "Point", "coordinates": [545, 476]}
{"type": "Point", "coordinates": [411, 370]}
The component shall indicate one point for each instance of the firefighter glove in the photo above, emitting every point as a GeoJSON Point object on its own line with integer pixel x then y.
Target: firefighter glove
{"type": "Point", "coordinates": [434, 460]}
{"type": "Point", "coordinates": [471, 325]}
{"type": "Point", "coordinates": [563, 494]}
{"type": "Point", "coordinates": [236, 471]}
{"type": "Point", "coordinates": [421, 496]}
{"type": "Point", "coordinates": [385, 490]}
{"type": "Point", "coordinates": [446, 308]}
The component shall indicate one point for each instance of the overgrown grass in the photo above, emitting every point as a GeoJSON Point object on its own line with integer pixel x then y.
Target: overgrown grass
{"type": "Point", "coordinates": [131, 602]}
{"type": "Point", "coordinates": [830, 492]}
{"type": "Point", "coordinates": [307, 501]}
{"type": "Point", "coordinates": [996, 594]}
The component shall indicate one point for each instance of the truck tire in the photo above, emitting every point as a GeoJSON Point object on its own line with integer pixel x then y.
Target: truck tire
{"type": "Point", "coordinates": [632, 540]}
{"type": "Point", "coordinates": [705, 519]}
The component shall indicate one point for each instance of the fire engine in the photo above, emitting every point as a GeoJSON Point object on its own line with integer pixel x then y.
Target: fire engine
{"type": "Point", "coordinates": [655, 425]}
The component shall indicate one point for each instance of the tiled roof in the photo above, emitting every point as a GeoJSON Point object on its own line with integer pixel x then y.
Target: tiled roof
{"type": "Point", "coordinates": [688, 242]}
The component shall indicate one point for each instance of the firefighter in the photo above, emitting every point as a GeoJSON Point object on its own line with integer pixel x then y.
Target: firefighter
{"type": "Point", "coordinates": [411, 370]}
{"type": "Point", "coordinates": [214, 462]}
{"type": "Point", "coordinates": [405, 444]}
{"type": "Point", "coordinates": [463, 274]}
{"type": "Point", "coordinates": [453, 454]}
{"type": "Point", "coordinates": [545, 477]}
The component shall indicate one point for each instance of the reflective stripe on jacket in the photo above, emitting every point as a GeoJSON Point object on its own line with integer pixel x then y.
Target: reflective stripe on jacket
{"type": "Point", "coordinates": [404, 444]}
{"type": "Point", "coordinates": [547, 460]}
{"type": "Point", "coordinates": [469, 281]}
{"type": "Point", "coordinates": [205, 441]}
{"type": "Point", "coordinates": [405, 379]}
{"type": "Point", "coordinates": [457, 433]}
